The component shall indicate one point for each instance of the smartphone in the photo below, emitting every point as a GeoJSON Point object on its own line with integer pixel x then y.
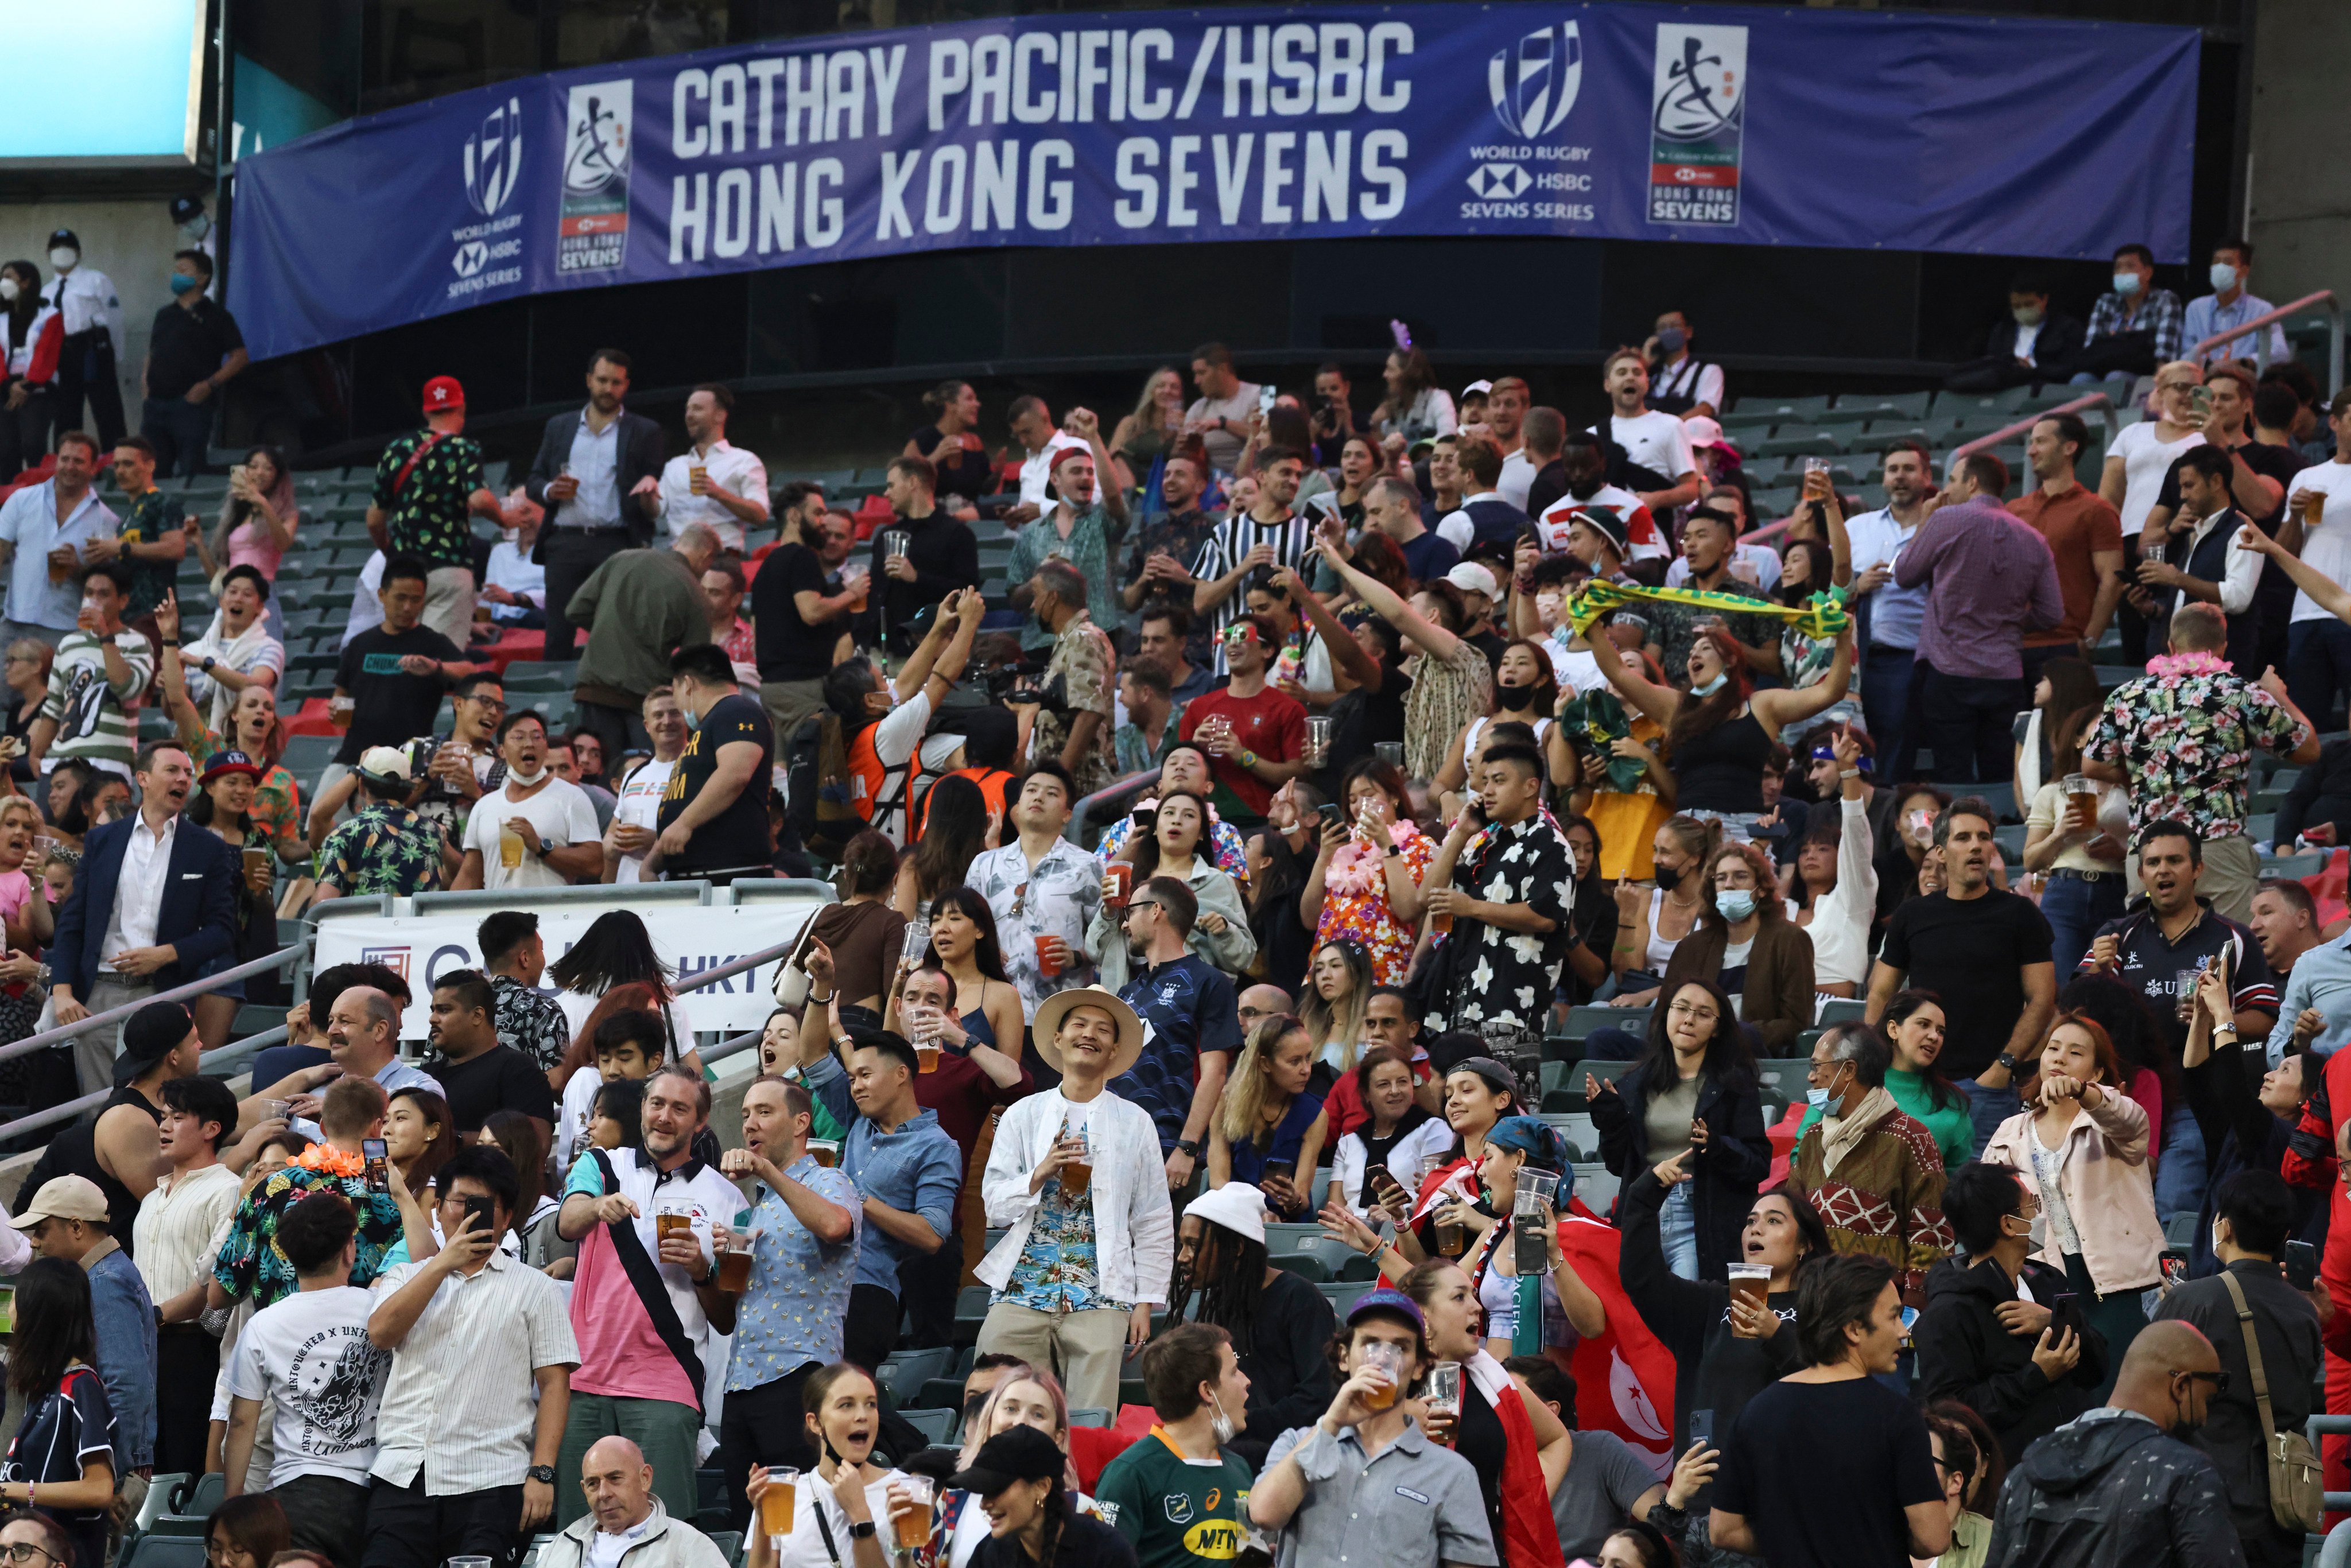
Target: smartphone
{"type": "Point", "coordinates": [2301, 1265]}
{"type": "Point", "coordinates": [1330, 813]}
{"type": "Point", "coordinates": [1265, 395]}
{"type": "Point", "coordinates": [1146, 818]}
{"type": "Point", "coordinates": [377, 1164]}
{"type": "Point", "coordinates": [1702, 1428]}
{"type": "Point", "coordinates": [480, 1208]}
{"type": "Point", "coordinates": [2064, 1314]}
{"type": "Point", "coordinates": [1386, 1182]}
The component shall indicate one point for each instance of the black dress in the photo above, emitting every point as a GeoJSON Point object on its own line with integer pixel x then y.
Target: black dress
{"type": "Point", "coordinates": [968, 473]}
{"type": "Point", "coordinates": [1482, 1441]}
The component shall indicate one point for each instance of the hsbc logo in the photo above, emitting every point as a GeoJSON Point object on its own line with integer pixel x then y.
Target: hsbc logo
{"type": "Point", "coordinates": [1533, 83]}
{"type": "Point", "coordinates": [493, 159]}
{"type": "Point", "coordinates": [471, 258]}
{"type": "Point", "coordinates": [1687, 176]}
{"type": "Point", "coordinates": [1498, 182]}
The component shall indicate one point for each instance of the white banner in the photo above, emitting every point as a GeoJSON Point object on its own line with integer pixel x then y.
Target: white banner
{"type": "Point", "coordinates": [690, 938]}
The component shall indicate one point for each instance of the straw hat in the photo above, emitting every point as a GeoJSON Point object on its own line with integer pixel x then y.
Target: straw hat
{"type": "Point", "coordinates": [1055, 1007]}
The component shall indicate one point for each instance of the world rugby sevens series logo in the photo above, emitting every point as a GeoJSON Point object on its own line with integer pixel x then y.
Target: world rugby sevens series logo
{"type": "Point", "coordinates": [493, 159]}
{"type": "Point", "coordinates": [1533, 82]}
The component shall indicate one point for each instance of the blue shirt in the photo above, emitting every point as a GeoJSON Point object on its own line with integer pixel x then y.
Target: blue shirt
{"type": "Point", "coordinates": [2320, 978]}
{"type": "Point", "coordinates": [1289, 1138]}
{"type": "Point", "coordinates": [798, 1302]}
{"type": "Point", "coordinates": [917, 1169]}
{"type": "Point", "coordinates": [2206, 315]}
{"type": "Point", "coordinates": [124, 1319]}
{"type": "Point", "coordinates": [1187, 1006]}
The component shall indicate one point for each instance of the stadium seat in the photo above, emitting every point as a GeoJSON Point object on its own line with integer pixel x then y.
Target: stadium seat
{"type": "Point", "coordinates": [161, 1488]}
{"type": "Point", "coordinates": [1609, 1072]}
{"type": "Point", "coordinates": [937, 1426]}
{"type": "Point", "coordinates": [1842, 1009]}
{"type": "Point", "coordinates": [1092, 1417]}
{"type": "Point", "coordinates": [155, 1551]}
{"type": "Point", "coordinates": [916, 1367]}
{"type": "Point", "coordinates": [205, 1495]}
{"type": "Point", "coordinates": [1783, 1078]}
{"type": "Point", "coordinates": [1595, 1186]}
{"type": "Point", "coordinates": [1342, 1296]}
{"type": "Point", "coordinates": [971, 1311]}
{"type": "Point", "coordinates": [937, 1394]}
{"type": "Point", "coordinates": [178, 1524]}
{"type": "Point", "coordinates": [1307, 1266]}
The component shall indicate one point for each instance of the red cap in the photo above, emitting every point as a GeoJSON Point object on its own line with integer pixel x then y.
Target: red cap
{"type": "Point", "coordinates": [442, 394]}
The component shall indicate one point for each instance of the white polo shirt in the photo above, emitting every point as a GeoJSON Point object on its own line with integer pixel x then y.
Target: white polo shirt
{"type": "Point", "coordinates": [1035, 471]}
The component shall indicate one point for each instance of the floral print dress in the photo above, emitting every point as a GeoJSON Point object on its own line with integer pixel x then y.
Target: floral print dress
{"type": "Point", "coordinates": [1355, 900]}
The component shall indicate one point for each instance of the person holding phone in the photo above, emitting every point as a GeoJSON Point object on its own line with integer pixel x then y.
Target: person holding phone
{"type": "Point", "coordinates": [2254, 1210]}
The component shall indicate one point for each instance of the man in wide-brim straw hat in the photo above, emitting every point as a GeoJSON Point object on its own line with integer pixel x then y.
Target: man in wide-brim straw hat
{"type": "Point", "coordinates": [1077, 1175]}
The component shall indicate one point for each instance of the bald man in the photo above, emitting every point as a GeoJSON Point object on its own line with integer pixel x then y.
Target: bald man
{"type": "Point", "coordinates": [2122, 1483]}
{"type": "Point", "coordinates": [624, 1518]}
{"type": "Point", "coordinates": [1261, 1002]}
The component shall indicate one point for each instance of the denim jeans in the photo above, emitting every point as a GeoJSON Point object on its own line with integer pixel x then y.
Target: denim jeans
{"type": "Point", "coordinates": [1677, 1231]}
{"type": "Point", "coordinates": [2319, 667]}
{"type": "Point", "coordinates": [1989, 1108]}
{"type": "Point", "coordinates": [1884, 702]}
{"type": "Point", "coordinates": [2075, 909]}
{"type": "Point", "coordinates": [2180, 1170]}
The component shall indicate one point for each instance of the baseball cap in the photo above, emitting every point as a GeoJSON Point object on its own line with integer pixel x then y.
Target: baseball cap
{"type": "Point", "coordinates": [1016, 1454]}
{"type": "Point", "coordinates": [1499, 1078]}
{"type": "Point", "coordinates": [226, 762]}
{"type": "Point", "coordinates": [1236, 1206]}
{"type": "Point", "coordinates": [1471, 578]}
{"type": "Point", "coordinates": [444, 393]}
{"type": "Point", "coordinates": [186, 207]}
{"type": "Point", "coordinates": [1474, 387]}
{"type": "Point", "coordinates": [1386, 1301]}
{"type": "Point", "coordinates": [67, 1198]}
{"type": "Point", "coordinates": [64, 237]}
{"type": "Point", "coordinates": [387, 762]}
{"type": "Point", "coordinates": [1700, 431]}
{"type": "Point", "coordinates": [153, 1031]}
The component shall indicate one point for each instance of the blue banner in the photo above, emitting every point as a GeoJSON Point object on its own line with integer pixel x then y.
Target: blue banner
{"type": "Point", "coordinates": [1864, 130]}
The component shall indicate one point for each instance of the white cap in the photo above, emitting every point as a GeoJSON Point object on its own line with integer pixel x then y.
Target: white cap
{"type": "Point", "coordinates": [1236, 1206]}
{"type": "Point", "coordinates": [1471, 578]}
{"type": "Point", "coordinates": [1477, 386]}
{"type": "Point", "coordinates": [386, 762]}
{"type": "Point", "coordinates": [1700, 431]}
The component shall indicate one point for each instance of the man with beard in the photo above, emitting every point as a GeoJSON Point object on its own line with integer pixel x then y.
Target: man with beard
{"type": "Point", "coordinates": [1267, 534]}
{"type": "Point", "coordinates": [1075, 725]}
{"type": "Point", "coordinates": [1597, 523]}
{"type": "Point", "coordinates": [1891, 615]}
{"type": "Point", "coordinates": [1279, 1321]}
{"type": "Point", "coordinates": [1192, 1024]}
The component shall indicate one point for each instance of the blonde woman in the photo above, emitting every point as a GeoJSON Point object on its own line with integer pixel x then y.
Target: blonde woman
{"type": "Point", "coordinates": [1270, 1130]}
{"type": "Point", "coordinates": [1152, 430]}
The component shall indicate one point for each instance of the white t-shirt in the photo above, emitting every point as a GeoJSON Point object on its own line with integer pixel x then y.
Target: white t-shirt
{"type": "Point", "coordinates": [1037, 472]}
{"type": "Point", "coordinates": [638, 806]}
{"type": "Point", "coordinates": [2145, 461]}
{"type": "Point", "coordinates": [1577, 669]}
{"type": "Point", "coordinates": [560, 812]}
{"type": "Point", "coordinates": [1654, 440]}
{"type": "Point", "coordinates": [1518, 478]}
{"type": "Point", "coordinates": [1762, 558]}
{"type": "Point", "coordinates": [2327, 547]}
{"type": "Point", "coordinates": [577, 1006]}
{"type": "Point", "coordinates": [308, 1361]}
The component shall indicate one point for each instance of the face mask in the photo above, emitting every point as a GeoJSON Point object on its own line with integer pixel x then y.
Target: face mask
{"type": "Point", "coordinates": [1221, 1424]}
{"type": "Point", "coordinates": [2027, 315]}
{"type": "Point", "coordinates": [195, 228]}
{"type": "Point", "coordinates": [1710, 687]}
{"type": "Point", "coordinates": [63, 257]}
{"type": "Point", "coordinates": [525, 780]}
{"type": "Point", "coordinates": [1514, 697]}
{"type": "Point", "coordinates": [1672, 339]}
{"type": "Point", "coordinates": [9, 290]}
{"type": "Point", "coordinates": [2185, 1430]}
{"type": "Point", "coordinates": [1735, 906]}
{"type": "Point", "coordinates": [694, 715]}
{"type": "Point", "coordinates": [2224, 275]}
{"type": "Point", "coordinates": [2127, 284]}
{"type": "Point", "coordinates": [1668, 877]}
{"type": "Point", "coordinates": [1818, 1099]}
{"type": "Point", "coordinates": [182, 283]}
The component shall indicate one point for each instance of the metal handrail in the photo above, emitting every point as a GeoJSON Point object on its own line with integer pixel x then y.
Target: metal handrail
{"type": "Point", "coordinates": [226, 1056]}
{"type": "Point", "coordinates": [197, 988]}
{"type": "Point", "coordinates": [2322, 301]}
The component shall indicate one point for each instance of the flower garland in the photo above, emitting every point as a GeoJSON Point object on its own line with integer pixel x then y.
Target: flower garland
{"type": "Point", "coordinates": [2172, 666]}
{"type": "Point", "coordinates": [329, 1160]}
{"type": "Point", "coordinates": [1357, 869]}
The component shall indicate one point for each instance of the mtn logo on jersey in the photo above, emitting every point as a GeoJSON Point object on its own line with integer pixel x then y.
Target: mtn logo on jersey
{"type": "Point", "coordinates": [1533, 83]}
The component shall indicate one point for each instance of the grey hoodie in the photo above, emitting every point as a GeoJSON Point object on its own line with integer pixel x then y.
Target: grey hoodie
{"type": "Point", "coordinates": [2111, 1490]}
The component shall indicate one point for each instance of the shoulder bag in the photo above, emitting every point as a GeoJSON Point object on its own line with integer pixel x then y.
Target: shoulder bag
{"type": "Point", "coordinates": [2297, 1492]}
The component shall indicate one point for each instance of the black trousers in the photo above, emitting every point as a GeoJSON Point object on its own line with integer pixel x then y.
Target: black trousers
{"type": "Point", "coordinates": [25, 434]}
{"type": "Point", "coordinates": [762, 1426]}
{"type": "Point", "coordinates": [572, 557]}
{"type": "Point", "coordinates": [327, 1513]}
{"type": "Point", "coordinates": [1969, 723]}
{"type": "Point", "coordinates": [926, 1288]}
{"type": "Point", "coordinates": [620, 730]}
{"type": "Point", "coordinates": [86, 370]}
{"type": "Point", "coordinates": [406, 1528]}
{"type": "Point", "coordinates": [187, 1364]}
{"type": "Point", "coordinates": [871, 1332]}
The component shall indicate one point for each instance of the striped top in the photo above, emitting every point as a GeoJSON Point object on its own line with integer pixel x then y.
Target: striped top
{"type": "Point", "coordinates": [97, 720]}
{"type": "Point", "coordinates": [1226, 548]}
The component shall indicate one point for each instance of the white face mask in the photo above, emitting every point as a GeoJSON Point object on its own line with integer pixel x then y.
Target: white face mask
{"type": "Point", "coordinates": [195, 228]}
{"type": "Point", "coordinates": [2224, 275]}
{"type": "Point", "coordinates": [526, 782]}
{"type": "Point", "coordinates": [63, 257]}
{"type": "Point", "coordinates": [1221, 1424]}
{"type": "Point", "coordinates": [9, 290]}
{"type": "Point", "coordinates": [2127, 284]}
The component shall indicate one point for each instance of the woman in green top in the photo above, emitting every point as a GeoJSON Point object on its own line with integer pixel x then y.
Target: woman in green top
{"type": "Point", "coordinates": [1914, 1023]}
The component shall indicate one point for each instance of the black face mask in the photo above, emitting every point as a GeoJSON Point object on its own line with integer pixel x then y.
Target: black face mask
{"type": "Point", "coordinates": [1515, 698]}
{"type": "Point", "coordinates": [1668, 877]}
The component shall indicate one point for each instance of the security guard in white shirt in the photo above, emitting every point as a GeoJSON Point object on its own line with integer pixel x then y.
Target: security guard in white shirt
{"type": "Point", "coordinates": [93, 321]}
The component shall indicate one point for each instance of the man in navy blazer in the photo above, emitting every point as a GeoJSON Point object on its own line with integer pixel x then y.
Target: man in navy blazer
{"type": "Point", "coordinates": [598, 474]}
{"type": "Point", "coordinates": [152, 903]}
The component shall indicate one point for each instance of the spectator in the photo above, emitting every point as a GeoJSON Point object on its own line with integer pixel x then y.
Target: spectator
{"type": "Point", "coordinates": [885, 729]}
{"type": "Point", "coordinates": [190, 1204]}
{"type": "Point", "coordinates": [1042, 890]}
{"type": "Point", "coordinates": [1172, 640]}
{"type": "Point", "coordinates": [2134, 327]}
{"type": "Point", "coordinates": [1020, 1476]}
{"type": "Point", "coordinates": [1369, 869]}
{"type": "Point", "coordinates": [120, 1148]}
{"type": "Point", "coordinates": [941, 557]}
{"type": "Point", "coordinates": [2032, 345]}
{"type": "Point", "coordinates": [1394, 1132]}
{"type": "Point", "coordinates": [1836, 874]}
{"type": "Point", "coordinates": [1220, 933]}
{"type": "Point", "coordinates": [1332, 1006]}
{"type": "Point", "coordinates": [474, 1411]}
{"type": "Point", "coordinates": [250, 1264]}
{"type": "Point", "coordinates": [236, 653]}
{"type": "Point", "coordinates": [641, 606]}
{"type": "Point", "coordinates": [800, 606]}
{"type": "Point", "coordinates": [1000, 1393]}
{"type": "Point", "coordinates": [1322, 1481]}
{"type": "Point", "coordinates": [428, 489]}
{"type": "Point", "coordinates": [1831, 1424]}
{"type": "Point", "coordinates": [1872, 1172]}
{"type": "Point", "coordinates": [1745, 946]}
{"type": "Point", "coordinates": [1691, 1110]}
{"type": "Point", "coordinates": [908, 1171]}
{"type": "Point", "coordinates": [1219, 416]}
{"type": "Point", "coordinates": [847, 1497]}
{"type": "Point", "coordinates": [67, 1438]}
{"type": "Point", "coordinates": [1084, 1319]}
{"type": "Point", "coordinates": [419, 1136]}
{"type": "Point", "coordinates": [2261, 469]}
{"type": "Point", "coordinates": [2285, 923]}
{"type": "Point", "coordinates": [97, 684]}
{"type": "Point", "coordinates": [1161, 1491]}
{"type": "Point", "coordinates": [1914, 1026]}
{"type": "Point", "coordinates": [713, 818]}
{"type": "Point", "coordinates": [1989, 1338]}
{"type": "Point", "coordinates": [514, 956]}
{"type": "Point", "coordinates": [1415, 408]}
{"type": "Point", "coordinates": [151, 540]}
{"type": "Point", "coordinates": [194, 350]}
{"type": "Point", "coordinates": [1450, 680]}
{"type": "Point", "coordinates": [1266, 533]}
{"type": "Point", "coordinates": [536, 830]}
{"type": "Point", "coordinates": [93, 341]}
{"type": "Point", "coordinates": [114, 946]}
{"type": "Point", "coordinates": [1984, 948]}
{"type": "Point", "coordinates": [636, 810]}
{"type": "Point", "coordinates": [2182, 737]}
{"type": "Point", "coordinates": [2122, 1483]}
{"type": "Point", "coordinates": [389, 846]}
{"type": "Point", "coordinates": [259, 518]}
{"type": "Point", "coordinates": [804, 1223]}
{"type": "Point", "coordinates": [1166, 544]}
{"type": "Point", "coordinates": [715, 482]}
{"type": "Point", "coordinates": [1279, 1324]}
{"type": "Point", "coordinates": [625, 1517]}
{"type": "Point", "coordinates": [1083, 527]}
{"type": "Point", "coordinates": [1149, 441]}
{"type": "Point", "coordinates": [45, 529]}
{"type": "Point", "coordinates": [480, 1074]}
{"type": "Point", "coordinates": [2084, 537]}
{"type": "Point", "coordinates": [1600, 526]}
{"type": "Point", "coordinates": [951, 443]}
{"type": "Point", "coordinates": [722, 591]}
{"type": "Point", "coordinates": [2230, 305]}
{"type": "Point", "coordinates": [2318, 641]}
{"type": "Point", "coordinates": [513, 585]}
{"type": "Point", "coordinates": [1512, 881]}
{"type": "Point", "coordinates": [1990, 579]}
{"type": "Point", "coordinates": [69, 1219]}
{"type": "Point", "coordinates": [2085, 1143]}
{"type": "Point", "coordinates": [245, 1531]}
{"type": "Point", "coordinates": [2137, 462]}
{"type": "Point", "coordinates": [637, 1379]}
{"type": "Point", "coordinates": [1483, 516]}
{"type": "Point", "coordinates": [598, 473]}
{"type": "Point", "coordinates": [2267, 1336]}
{"type": "Point", "coordinates": [1653, 439]}
{"type": "Point", "coordinates": [1074, 726]}
{"type": "Point", "coordinates": [1039, 440]}
{"type": "Point", "coordinates": [1891, 615]}
{"type": "Point", "coordinates": [1710, 535]}
{"type": "Point", "coordinates": [1680, 383]}
{"type": "Point", "coordinates": [307, 1365]}
{"type": "Point", "coordinates": [1533, 1312]}
{"type": "Point", "coordinates": [628, 1043]}
{"type": "Point", "coordinates": [1268, 1120]}
{"type": "Point", "coordinates": [1187, 1005]}
{"type": "Point", "coordinates": [1608, 1482]}
{"type": "Point", "coordinates": [33, 342]}
{"type": "Point", "coordinates": [1154, 718]}
{"type": "Point", "coordinates": [392, 677]}
{"type": "Point", "coordinates": [2203, 559]}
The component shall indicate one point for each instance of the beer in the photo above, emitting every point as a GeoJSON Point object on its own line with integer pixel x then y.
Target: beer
{"type": "Point", "coordinates": [697, 478]}
{"type": "Point", "coordinates": [1388, 1360]}
{"type": "Point", "coordinates": [826, 1152]}
{"type": "Point", "coordinates": [339, 711]}
{"type": "Point", "coordinates": [1049, 948]}
{"type": "Point", "coordinates": [734, 1268]}
{"type": "Point", "coordinates": [914, 1523]}
{"type": "Point", "coordinates": [926, 1056]}
{"type": "Point", "coordinates": [1318, 740]}
{"type": "Point", "coordinates": [1752, 1281]}
{"type": "Point", "coordinates": [666, 1224]}
{"type": "Point", "coordinates": [776, 1502]}
{"type": "Point", "coordinates": [256, 867]}
{"type": "Point", "coordinates": [1118, 886]}
{"type": "Point", "coordinates": [1443, 1398]}
{"type": "Point", "coordinates": [509, 848]}
{"type": "Point", "coordinates": [1077, 1175]}
{"type": "Point", "coordinates": [1451, 1240]}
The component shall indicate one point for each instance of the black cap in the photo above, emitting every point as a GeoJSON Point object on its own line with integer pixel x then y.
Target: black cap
{"type": "Point", "coordinates": [1015, 1454]}
{"type": "Point", "coordinates": [186, 207]}
{"type": "Point", "coordinates": [152, 1034]}
{"type": "Point", "coordinates": [66, 237]}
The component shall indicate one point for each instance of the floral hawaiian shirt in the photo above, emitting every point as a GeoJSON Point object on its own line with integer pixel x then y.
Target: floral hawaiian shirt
{"type": "Point", "coordinates": [1355, 901]}
{"type": "Point", "coordinates": [1081, 678]}
{"type": "Point", "coordinates": [2185, 731]}
{"type": "Point", "coordinates": [1509, 977]}
{"type": "Point", "coordinates": [384, 849]}
{"type": "Point", "coordinates": [1091, 547]}
{"type": "Point", "coordinates": [529, 1022]}
{"type": "Point", "coordinates": [1056, 897]}
{"type": "Point", "coordinates": [1055, 1272]}
{"type": "Point", "coordinates": [1232, 857]}
{"type": "Point", "coordinates": [793, 1311]}
{"type": "Point", "coordinates": [277, 800]}
{"type": "Point", "coordinates": [152, 519]}
{"type": "Point", "coordinates": [251, 1263]}
{"type": "Point", "coordinates": [426, 514]}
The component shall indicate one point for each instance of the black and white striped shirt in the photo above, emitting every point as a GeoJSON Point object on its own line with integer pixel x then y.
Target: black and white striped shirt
{"type": "Point", "coordinates": [1229, 545]}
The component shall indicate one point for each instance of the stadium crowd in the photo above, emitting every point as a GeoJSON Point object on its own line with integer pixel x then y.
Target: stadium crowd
{"type": "Point", "coordinates": [1324, 959]}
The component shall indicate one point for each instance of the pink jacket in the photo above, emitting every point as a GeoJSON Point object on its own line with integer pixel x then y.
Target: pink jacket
{"type": "Point", "coordinates": [2108, 1190]}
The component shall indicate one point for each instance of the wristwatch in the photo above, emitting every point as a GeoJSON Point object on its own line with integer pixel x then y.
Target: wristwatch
{"type": "Point", "coordinates": [543, 1474]}
{"type": "Point", "coordinates": [207, 665]}
{"type": "Point", "coordinates": [1186, 1146]}
{"type": "Point", "coordinates": [2011, 1062]}
{"type": "Point", "coordinates": [861, 1530]}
